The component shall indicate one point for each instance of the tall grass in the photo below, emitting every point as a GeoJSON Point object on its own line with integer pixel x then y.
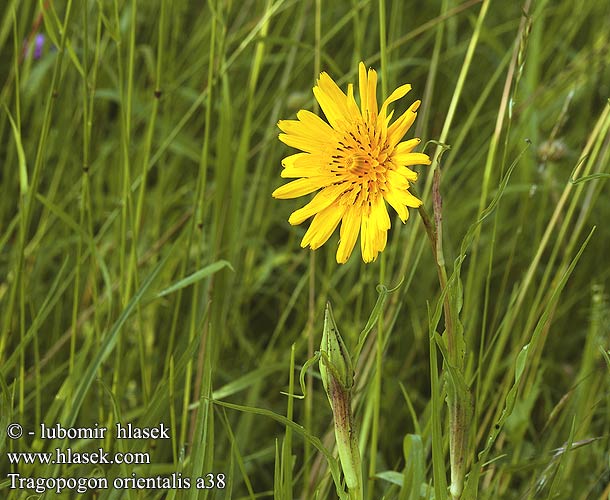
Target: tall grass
{"type": "Point", "coordinates": [148, 276]}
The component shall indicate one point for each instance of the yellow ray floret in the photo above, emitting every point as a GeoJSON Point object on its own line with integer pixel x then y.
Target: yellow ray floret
{"type": "Point", "coordinates": [357, 163]}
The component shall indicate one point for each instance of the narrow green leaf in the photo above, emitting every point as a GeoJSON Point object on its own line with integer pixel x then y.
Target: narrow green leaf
{"type": "Point", "coordinates": [299, 429]}
{"type": "Point", "coordinates": [277, 473]}
{"type": "Point", "coordinates": [391, 476]}
{"type": "Point", "coordinates": [438, 455]}
{"type": "Point", "coordinates": [23, 171]}
{"type": "Point", "coordinates": [196, 276]}
{"type": "Point", "coordinates": [373, 318]}
{"type": "Point", "coordinates": [471, 488]}
{"type": "Point", "coordinates": [6, 413]}
{"type": "Point", "coordinates": [415, 468]}
{"type": "Point", "coordinates": [236, 454]}
{"type": "Point", "coordinates": [107, 346]}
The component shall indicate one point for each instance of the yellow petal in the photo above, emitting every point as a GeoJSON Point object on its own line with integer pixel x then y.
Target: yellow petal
{"type": "Point", "coordinates": [394, 96]}
{"type": "Point", "coordinates": [323, 225]}
{"type": "Point", "coordinates": [372, 239]}
{"type": "Point", "coordinates": [383, 239]}
{"type": "Point", "coordinates": [314, 123]}
{"type": "Point", "coordinates": [363, 87]}
{"type": "Point", "coordinates": [374, 230]}
{"type": "Point", "coordinates": [306, 144]}
{"type": "Point", "coordinates": [399, 128]}
{"type": "Point", "coordinates": [299, 187]}
{"type": "Point", "coordinates": [379, 214]}
{"type": "Point", "coordinates": [319, 202]}
{"type": "Point", "coordinates": [351, 103]}
{"type": "Point", "coordinates": [332, 101]}
{"type": "Point", "coordinates": [291, 160]}
{"type": "Point", "coordinates": [391, 197]}
{"type": "Point", "coordinates": [365, 240]}
{"type": "Point", "coordinates": [304, 165]}
{"type": "Point", "coordinates": [401, 197]}
{"type": "Point", "coordinates": [372, 97]}
{"type": "Point", "coordinates": [405, 172]}
{"type": "Point", "coordinates": [407, 146]}
{"type": "Point", "coordinates": [350, 226]}
{"type": "Point", "coordinates": [308, 127]}
{"type": "Point", "coordinates": [409, 159]}
{"type": "Point", "coordinates": [410, 200]}
{"type": "Point", "coordinates": [396, 181]}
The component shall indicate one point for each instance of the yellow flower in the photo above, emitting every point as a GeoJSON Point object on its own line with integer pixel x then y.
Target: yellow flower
{"type": "Point", "coordinates": [356, 160]}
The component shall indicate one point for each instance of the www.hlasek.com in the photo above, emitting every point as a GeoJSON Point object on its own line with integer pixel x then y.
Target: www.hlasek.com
{"type": "Point", "coordinates": [97, 457]}
{"type": "Point", "coordinates": [77, 457]}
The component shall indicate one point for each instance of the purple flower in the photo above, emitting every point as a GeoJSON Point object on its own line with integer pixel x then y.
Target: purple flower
{"type": "Point", "coordinates": [38, 45]}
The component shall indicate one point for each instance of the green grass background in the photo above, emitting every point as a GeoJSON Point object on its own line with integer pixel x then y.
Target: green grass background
{"type": "Point", "coordinates": [147, 274]}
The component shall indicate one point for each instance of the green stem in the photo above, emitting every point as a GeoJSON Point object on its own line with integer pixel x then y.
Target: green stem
{"type": "Point", "coordinates": [458, 401]}
{"type": "Point", "coordinates": [347, 444]}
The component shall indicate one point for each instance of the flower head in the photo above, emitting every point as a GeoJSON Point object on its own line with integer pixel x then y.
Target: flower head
{"type": "Point", "coordinates": [356, 160]}
{"type": "Point", "coordinates": [38, 45]}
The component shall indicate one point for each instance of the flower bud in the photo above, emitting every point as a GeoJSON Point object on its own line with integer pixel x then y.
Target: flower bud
{"type": "Point", "coordinates": [338, 377]}
{"type": "Point", "coordinates": [338, 364]}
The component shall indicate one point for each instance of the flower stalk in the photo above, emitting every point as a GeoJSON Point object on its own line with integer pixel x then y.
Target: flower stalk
{"type": "Point", "coordinates": [338, 379]}
{"type": "Point", "coordinates": [459, 415]}
{"type": "Point", "coordinates": [452, 344]}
